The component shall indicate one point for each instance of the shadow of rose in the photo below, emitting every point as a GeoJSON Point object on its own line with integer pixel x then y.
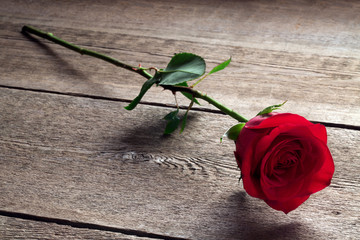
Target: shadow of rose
{"type": "Point", "coordinates": [243, 217]}
{"type": "Point", "coordinates": [147, 134]}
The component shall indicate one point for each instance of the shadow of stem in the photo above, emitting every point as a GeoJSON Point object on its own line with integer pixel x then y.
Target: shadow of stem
{"type": "Point", "coordinates": [64, 67]}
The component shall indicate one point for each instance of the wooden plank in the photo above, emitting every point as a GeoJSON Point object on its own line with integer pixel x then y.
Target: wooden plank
{"type": "Point", "coordinates": [89, 160]}
{"type": "Point", "coordinates": [254, 23]}
{"type": "Point", "coordinates": [15, 228]}
{"type": "Point", "coordinates": [284, 58]}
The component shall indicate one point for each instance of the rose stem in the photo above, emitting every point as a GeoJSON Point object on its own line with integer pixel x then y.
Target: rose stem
{"type": "Point", "coordinates": [198, 94]}
{"type": "Point", "coordinates": [84, 51]}
{"type": "Point", "coordinates": [139, 70]}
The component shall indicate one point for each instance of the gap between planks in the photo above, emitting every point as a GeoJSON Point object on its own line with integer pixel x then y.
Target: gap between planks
{"type": "Point", "coordinates": [199, 109]}
{"type": "Point", "coordinates": [91, 226]}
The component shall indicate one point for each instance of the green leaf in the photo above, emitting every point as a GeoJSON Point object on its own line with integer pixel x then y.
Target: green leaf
{"type": "Point", "coordinates": [173, 122]}
{"type": "Point", "coordinates": [270, 109]}
{"type": "Point", "coordinates": [170, 116]}
{"type": "Point", "coordinates": [185, 116]}
{"type": "Point", "coordinates": [233, 132]}
{"type": "Point", "coordinates": [145, 87]}
{"type": "Point", "coordinates": [182, 67]}
{"type": "Point", "coordinates": [186, 94]}
{"type": "Point", "coordinates": [220, 67]}
{"type": "Point", "coordinates": [183, 123]}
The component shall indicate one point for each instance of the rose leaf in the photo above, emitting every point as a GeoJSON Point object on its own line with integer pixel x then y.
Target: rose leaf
{"type": "Point", "coordinates": [186, 94]}
{"type": "Point", "coordinates": [173, 121]}
{"type": "Point", "coordinates": [145, 87]}
{"type": "Point", "coordinates": [220, 67]}
{"type": "Point", "coordinates": [182, 67]}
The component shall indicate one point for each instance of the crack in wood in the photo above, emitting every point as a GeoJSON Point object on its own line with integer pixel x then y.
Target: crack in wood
{"type": "Point", "coordinates": [199, 109]}
{"type": "Point", "coordinates": [92, 226]}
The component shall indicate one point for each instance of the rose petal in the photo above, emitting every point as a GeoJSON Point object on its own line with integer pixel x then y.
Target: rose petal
{"type": "Point", "coordinates": [277, 119]}
{"type": "Point", "coordinates": [319, 131]}
{"type": "Point", "coordinates": [283, 159]}
{"type": "Point", "coordinates": [287, 206]}
{"type": "Point", "coordinates": [322, 177]}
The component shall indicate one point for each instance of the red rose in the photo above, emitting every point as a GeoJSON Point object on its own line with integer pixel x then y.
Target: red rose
{"type": "Point", "coordinates": [283, 159]}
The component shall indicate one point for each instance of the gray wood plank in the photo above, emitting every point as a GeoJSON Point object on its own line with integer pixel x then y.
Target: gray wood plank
{"type": "Point", "coordinates": [255, 23]}
{"type": "Point", "coordinates": [89, 160]}
{"type": "Point", "coordinates": [300, 51]}
{"type": "Point", "coordinates": [15, 228]}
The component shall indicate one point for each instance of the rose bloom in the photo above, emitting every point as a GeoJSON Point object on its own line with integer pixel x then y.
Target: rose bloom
{"type": "Point", "coordinates": [283, 159]}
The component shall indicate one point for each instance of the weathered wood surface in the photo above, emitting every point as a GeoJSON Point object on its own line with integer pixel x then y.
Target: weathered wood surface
{"type": "Point", "coordinates": [88, 161]}
{"type": "Point", "coordinates": [307, 53]}
{"type": "Point", "coordinates": [82, 161]}
{"type": "Point", "coordinates": [14, 228]}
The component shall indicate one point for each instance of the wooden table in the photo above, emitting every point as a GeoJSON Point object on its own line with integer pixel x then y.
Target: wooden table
{"type": "Point", "coordinates": [75, 164]}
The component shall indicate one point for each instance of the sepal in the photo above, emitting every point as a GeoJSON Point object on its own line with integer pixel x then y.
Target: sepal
{"type": "Point", "coordinates": [270, 109]}
{"type": "Point", "coordinates": [233, 132]}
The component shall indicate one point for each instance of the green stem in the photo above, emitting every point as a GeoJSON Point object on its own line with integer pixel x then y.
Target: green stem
{"type": "Point", "coordinates": [83, 51]}
{"type": "Point", "coordinates": [223, 108]}
{"type": "Point", "coordinates": [198, 94]}
{"type": "Point", "coordinates": [141, 71]}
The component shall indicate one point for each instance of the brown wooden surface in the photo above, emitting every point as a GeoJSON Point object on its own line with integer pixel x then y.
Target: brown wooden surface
{"type": "Point", "coordinates": [13, 228]}
{"type": "Point", "coordinates": [75, 164]}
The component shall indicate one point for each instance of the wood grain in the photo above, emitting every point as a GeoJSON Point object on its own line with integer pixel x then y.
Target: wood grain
{"type": "Point", "coordinates": [12, 228]}
{"type": "Point", "coordinates": [74, 164]}
{"type": "Point", "coordinates": [89, 160]}
{"type": "Point", "coordinates": [294, 56]}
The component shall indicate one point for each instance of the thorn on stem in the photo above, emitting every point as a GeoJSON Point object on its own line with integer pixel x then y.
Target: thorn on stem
{"type": "Point", "coordinates": [154, 68]}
